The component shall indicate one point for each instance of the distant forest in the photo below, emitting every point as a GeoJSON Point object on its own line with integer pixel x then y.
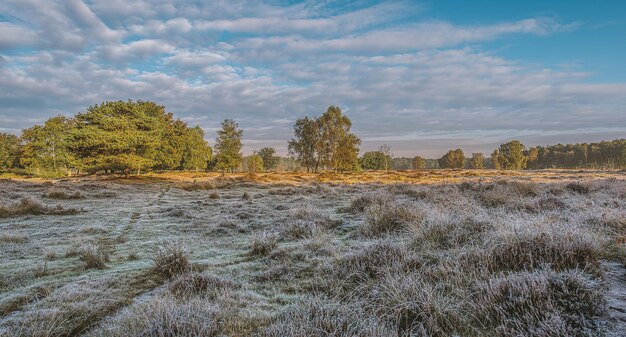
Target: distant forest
{"type": "Point", "coordinates": [139, 136]}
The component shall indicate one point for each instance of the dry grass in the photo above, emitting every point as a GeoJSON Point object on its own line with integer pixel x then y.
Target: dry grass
{"type": "Point", "coordinates": [263, 244]}
{"type": "Point", "coordinates": [170, 260]}
{"type": "Point", "coordinates": [513, 254]}
{"type": "Point", "coordinates": [13, 238]}
{"type": "Point", "coordinates": [93, 256]}
{"type": "Point", "coordinates": [29, 206]}
{"type": "Point", "coordinates": [62, 195]}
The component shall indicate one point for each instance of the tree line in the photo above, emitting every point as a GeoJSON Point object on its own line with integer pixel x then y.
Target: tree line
{"type": "Point", "coordinates": [139, 136]}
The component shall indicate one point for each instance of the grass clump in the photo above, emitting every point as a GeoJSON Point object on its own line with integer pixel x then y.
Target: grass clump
{"type": "Point", "coordinates": [324, 317]}
{"type": "Point", "coordinates": [263, 244]}
{"type": "Point", "coordinates": [577, 187]}
{"type": "Point", "coordinates": [93, 256]}
{"type": "Point", "coordinates": [28, 206]}
{"type": "Point", "coordinates": [13, 238]}
{"type": "Point", "coordinates": [193, 283]}
{"type": "Point", "coordinates": [167, 316]}
{"type": "Point", "coordinates": [529, 250]}
{"type": "Point", "coordinates": [170, 260]}
{"type": "Point", "coordinates": [62, 195]}
{"type": "Point", "coordinates": [540, 303]}
{"type": "Point", "coordinates": [390, 217]}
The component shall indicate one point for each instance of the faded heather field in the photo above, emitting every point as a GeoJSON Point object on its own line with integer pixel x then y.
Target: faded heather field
{"type": "Point", "coordinates": [442, 253]}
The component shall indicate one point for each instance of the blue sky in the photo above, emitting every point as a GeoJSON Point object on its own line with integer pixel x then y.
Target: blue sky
{"type": "Point", "coordinates": [421, 76]}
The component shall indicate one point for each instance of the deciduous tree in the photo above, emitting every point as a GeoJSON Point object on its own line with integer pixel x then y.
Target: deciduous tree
{"type": "Point", "coordinates": [477, 161]}
{"type": "Point", "coordinates": [9, 151]}
{"type": "Point", "coordinates": [270, 160]}
{"type": "Point", "coordinates": [228, 146]}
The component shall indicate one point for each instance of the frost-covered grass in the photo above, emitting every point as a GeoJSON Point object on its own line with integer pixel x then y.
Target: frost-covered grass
{"type": "Point", "coordinates": [507, 256]}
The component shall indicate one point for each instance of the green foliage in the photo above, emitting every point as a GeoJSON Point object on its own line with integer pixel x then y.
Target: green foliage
{"type": "Point", "coordinates": [228, 146]}
{"type": "Point", "coordinates": [373, 160]}
{"type": "Point", "coordinates": [304, 145]}
{"type": "Point", "coordinates": [9, 151]}
{"type": "Point", "coordinates": [453, 159]}
{"type": "Point", "coordinates": [605, 154]}
{"type": "Point", "coordinates": [419, 163]}
{"type": "Point", "coordinates": [477, 161]}
{"type": "Point", "coordinates": [326, 141]}
{"type": "Point", "coordinates": [46, 149]}
{"type": "Point", "coordinates": [135, 136]}
{"type": "Point", "coordinates": [254, 163]}
{"type": "Point", "coordinates": [197, 153]}
{"type": "Point", "coordinates": [511, 156]}
{"type": "Point", "coordinates": [270, 160]}
{"type": "Point", "coordinates": [495, 159]}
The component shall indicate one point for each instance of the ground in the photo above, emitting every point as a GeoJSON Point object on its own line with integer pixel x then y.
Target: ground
{"type": "Point", "coordinates": [439, 253]}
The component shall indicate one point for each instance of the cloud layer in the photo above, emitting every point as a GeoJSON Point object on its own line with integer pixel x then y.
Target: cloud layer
{"type": "Point", "coordinates": [422, 86]}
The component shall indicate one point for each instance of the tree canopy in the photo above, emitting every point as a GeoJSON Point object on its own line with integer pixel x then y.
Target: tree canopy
{"type": "Point", "coordinates": [270, 160]}
{"type": "Point", "coordinates": [9, 151]}
{"type": "Point", "coordinates": [228, 146]}
{"type": "Point", "coordinates": [326, 142]}
{"type": "Point", "coordinates": [511, 156]}
{"type": "Point", "coordinates": [453, 159]}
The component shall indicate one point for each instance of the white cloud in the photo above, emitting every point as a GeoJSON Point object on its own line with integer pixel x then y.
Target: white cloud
{"type": "Point", "coordinates": [409, 84]}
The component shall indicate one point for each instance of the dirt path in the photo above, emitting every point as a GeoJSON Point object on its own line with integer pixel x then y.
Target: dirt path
{"type": "Point", "coordinates": [616, 297]}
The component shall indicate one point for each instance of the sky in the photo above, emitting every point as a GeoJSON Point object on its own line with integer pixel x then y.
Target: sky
{"type": "Point", "coordinates": [421, 76]}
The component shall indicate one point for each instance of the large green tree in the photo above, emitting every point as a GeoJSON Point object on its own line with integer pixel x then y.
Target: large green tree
{"type": "Point", "coordinates": [305, 143]}
{"type": "Point", "coordinates": [511, 156]}
{"type": "Point", "coordinates": [228, 146]}
{"type": "Point", "coordinates": [270, 160]}
{"type": "Point", "coordinates": [197, 152]}
{"type": "Point", "coordinates": [9, 151]}
{"type": "Point", "coordinates": [127, 136]}
{"type": "Point", "coordinates": [453, 159]}
{"type": "Point", "coordinates": [338, 147]}
{"type": "Point", "coordinates": [46, 149]}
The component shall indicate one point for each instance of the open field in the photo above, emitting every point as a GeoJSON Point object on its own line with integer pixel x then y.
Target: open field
{"type": "Point", "coordinates": [423, 253]}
